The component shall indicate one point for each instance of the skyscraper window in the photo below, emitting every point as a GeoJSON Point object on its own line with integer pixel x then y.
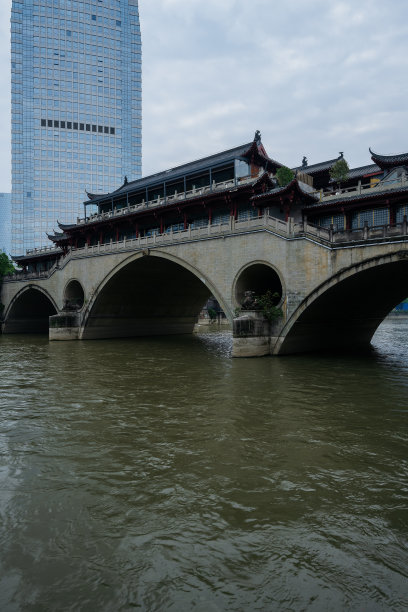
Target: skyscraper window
{"type": "Point", "coordinates": [76, 109]}
{"type": "Point", "coordinates": [5, 223]}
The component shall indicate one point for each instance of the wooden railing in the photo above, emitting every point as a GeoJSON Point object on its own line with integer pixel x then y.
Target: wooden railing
{"type": "Point", "coordinates": [161, 201]}
{"type": "Point", "coordinates": [384, 185]}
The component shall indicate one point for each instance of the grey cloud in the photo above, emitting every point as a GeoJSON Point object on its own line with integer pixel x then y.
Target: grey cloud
{"type": "Point", "coordinates": [315, 77]}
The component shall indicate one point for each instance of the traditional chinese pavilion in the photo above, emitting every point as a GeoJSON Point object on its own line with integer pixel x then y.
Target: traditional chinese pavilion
{"type": "Point", "coordinates": [239, 183]}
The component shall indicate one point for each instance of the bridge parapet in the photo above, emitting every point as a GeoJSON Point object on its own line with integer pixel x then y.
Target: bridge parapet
{"type": "Point", "coordinates": [287, 230]}
{"type": "Point", "coordinates": [206, 232]}
{"type": "Point", "coordinates": [352, 236]}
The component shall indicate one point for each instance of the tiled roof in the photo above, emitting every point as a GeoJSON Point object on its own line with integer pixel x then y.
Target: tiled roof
{"type": "Point", "coordinates": [389, 161]}
{"type": "Point", "coordinates": [57, 236]}
{"type": "Point", "coordinates": [363, 171]}
{"type": "Point", "coordinates": [302, 187]}
{"type": "Point", "coordinates": [199, 165]}
{"type": "Point", "coordinates": [274, 191]}
{"type": "Point", "coordinates": [315, 168]}
{"type": "Point", "coordinates": [353, 173]}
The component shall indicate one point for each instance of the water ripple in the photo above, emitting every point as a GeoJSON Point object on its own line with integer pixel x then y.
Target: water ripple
{"type": "Point", "coordinates": [163, 475]}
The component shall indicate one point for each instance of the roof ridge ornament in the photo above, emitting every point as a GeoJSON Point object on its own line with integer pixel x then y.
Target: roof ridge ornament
{"type": "Point", "coordinates": [257, 137]}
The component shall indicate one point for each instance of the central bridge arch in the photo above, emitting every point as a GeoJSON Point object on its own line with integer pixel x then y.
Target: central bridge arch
{"type": "Point", "coordinates": [150, 293]}
{"type": "Point", "coordinates": [344, 312]}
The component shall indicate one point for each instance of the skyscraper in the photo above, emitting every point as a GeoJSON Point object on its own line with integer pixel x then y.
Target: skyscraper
{"type": "Point", "coordinates": [5, 223]}
{"type": "Point", "coordinates": [76, 108]}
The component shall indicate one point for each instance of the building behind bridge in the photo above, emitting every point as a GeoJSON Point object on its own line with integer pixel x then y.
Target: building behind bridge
{"type": "Point", "coordinates": [5, 223]}
{"type": "Point", "coordinates": [76, 108]}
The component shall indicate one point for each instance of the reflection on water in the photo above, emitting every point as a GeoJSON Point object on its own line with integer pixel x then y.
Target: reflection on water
{"type": "Point", "coordinates": [161, 474]}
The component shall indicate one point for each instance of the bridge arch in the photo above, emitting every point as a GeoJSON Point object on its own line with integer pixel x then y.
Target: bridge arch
{"type": "Point", "coordinates": [74, 295]}
{"type": "Point", "coordinates": [344, 312]}
{"type": "Point", "coordinates": [150, 293]}
{"type": "Point", "coordinates": [258, 276]}
{"type": "Point", "coordinates": [29, 311]}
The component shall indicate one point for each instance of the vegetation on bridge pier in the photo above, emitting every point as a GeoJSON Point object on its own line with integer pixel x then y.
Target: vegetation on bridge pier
{"type": "Point", "coordinates": [6, 267]}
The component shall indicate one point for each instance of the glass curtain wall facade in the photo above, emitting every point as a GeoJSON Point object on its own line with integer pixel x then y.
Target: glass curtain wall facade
{"type": "Point", "coordinates": [5, 223]}
{"type": "Point", "coordinates": [76, 108]}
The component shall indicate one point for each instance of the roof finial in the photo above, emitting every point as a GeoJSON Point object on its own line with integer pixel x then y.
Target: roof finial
{"type": "Point", "coordinates": [341, 153]}
{"type": "Point", "coordinates": [304, 162]}
{"type": "Point", "coordinates": [257, 137]}
{"type": "Point", "coordinates": [126, 180]}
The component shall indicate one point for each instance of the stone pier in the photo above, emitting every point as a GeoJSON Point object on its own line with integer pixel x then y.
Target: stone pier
{"type": "Point", "coordinates": [65, 326]}
{"type": "Point", "coordinates": [254, 335]}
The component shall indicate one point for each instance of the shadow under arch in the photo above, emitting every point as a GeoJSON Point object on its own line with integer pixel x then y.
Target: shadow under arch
{"type": "Point", "coordinates": [343, 313]}
{"type": "Point", "coordinates": [258, 276]}
{"type": "Point", "coordinates": [150, 293]}
{"type": "Point", "coordinates": [29, 312]}
{"type": "Point", "coordinates": [74, 295]}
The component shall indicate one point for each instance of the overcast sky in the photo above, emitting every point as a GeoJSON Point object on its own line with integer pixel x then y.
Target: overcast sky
{"type": "Point", "coordinates": [315, 77]}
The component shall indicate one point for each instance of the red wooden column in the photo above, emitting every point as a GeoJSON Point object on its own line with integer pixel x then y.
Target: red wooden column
{"type": "Point", "coordinates": [348, 220]}
{"type": "Point", "coordinates": [393, 213]}
{"type": "Point", "coordinates": [285, 206]}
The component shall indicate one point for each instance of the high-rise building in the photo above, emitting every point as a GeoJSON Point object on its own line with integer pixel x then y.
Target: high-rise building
{"type": "Point", "coordinates": [76, 108]}
{"type": "Point", "coordinates": [5, 223]}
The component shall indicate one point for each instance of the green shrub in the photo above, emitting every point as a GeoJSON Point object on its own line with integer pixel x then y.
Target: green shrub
{"type": "Point", "coordinates": [267, 303]}
{"type": "Point", "coordinates": [6, 265]}
{"type": "Point", "coordinates": [212, 314]}
{"type": "Point", "coordinates": [339, 171]}
{"type": "Point", "coordinates": [284, 176]}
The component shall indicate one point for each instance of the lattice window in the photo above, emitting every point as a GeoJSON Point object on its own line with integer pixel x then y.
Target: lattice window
{"type": "Point", "coordinates": [339, 222]}
{"type": "Point", "coordinates": [381, 216]}
{"type": "Point", "coordinates": [152, 232]}
{"type": "Point", "coordinates": [401, 211]}
{"type": "Point", "coordinates": [203, 222]}
{"type": "Point", "coordinates": [221, 218]}
{"type": "Point", "coordinates": [359, 218]}
{"type": "Point", "coordinates": [175, 227]}
{"type": "Point", "coordinates": [378, 216]}
{"type": "Point", "coordinates": [247, 213]}
{"type": "Point", "coordinates": [324, 221]}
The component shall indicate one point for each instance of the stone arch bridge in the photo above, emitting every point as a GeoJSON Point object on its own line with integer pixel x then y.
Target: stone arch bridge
{"type": "Point", "coordinates": [333, 289]}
